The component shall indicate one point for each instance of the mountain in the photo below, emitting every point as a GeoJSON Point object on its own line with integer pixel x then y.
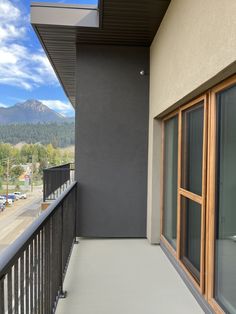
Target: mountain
{"type": "Point", "coordinates": [30, 111]}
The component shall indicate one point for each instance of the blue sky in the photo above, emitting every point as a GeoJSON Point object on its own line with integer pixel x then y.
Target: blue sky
{"type": "Point", "coordinates": [25, 72]}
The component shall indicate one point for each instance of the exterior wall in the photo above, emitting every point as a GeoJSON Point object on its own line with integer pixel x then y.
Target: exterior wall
{"type": "Point", "coordinates": [194, 48]}
{"type": "Point", "coordinates": [112, 140]}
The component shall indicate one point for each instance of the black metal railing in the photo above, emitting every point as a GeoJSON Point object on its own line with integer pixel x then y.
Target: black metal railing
{"type": "Point", "coordinates": [56, 180]}
{"type": "Point", "coordinates": [32, 269]}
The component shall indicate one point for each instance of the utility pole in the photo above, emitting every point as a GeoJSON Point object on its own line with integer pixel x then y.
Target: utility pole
{"type": "Point", "coordinates": [7, 190]}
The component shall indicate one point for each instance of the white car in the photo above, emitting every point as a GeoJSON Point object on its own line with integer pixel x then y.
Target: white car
{"type": "Point", "coordinates": [2, 200]}
{"type": "Point", "coordinates": [17, 197]}
{"type": "Point", "coordinates": [20, 195]}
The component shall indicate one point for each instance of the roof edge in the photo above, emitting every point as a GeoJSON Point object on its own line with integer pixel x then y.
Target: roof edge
{"type": "Point", "coordinates": [64, 15]}
{"type": "Point", "coordinates": [71, 99]}
{"type": "Point", "coordinates": [65, 5]}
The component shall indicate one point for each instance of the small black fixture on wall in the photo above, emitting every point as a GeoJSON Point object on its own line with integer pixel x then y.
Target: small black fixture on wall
{"type": "Point", "coordinates": [143, 72]}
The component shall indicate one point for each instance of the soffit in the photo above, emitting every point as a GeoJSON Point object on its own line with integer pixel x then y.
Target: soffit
{"type": "Point", "coordinates": [114, 22]}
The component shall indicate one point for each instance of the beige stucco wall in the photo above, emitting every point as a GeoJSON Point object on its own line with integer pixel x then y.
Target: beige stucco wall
{"type": "Point", "coordinates": [194, 48]}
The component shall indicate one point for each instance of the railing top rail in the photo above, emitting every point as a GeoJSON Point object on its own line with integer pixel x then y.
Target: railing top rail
{"type": "Point", "coordinates": [11, 253]}
{"type": "Point", "coordinates": [59, 167]}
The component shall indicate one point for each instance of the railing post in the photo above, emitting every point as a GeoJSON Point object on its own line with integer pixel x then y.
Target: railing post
{"type": "Point", "coordinates": [44, 186]}
{"type": "Point", "coordinates": [75, 190]}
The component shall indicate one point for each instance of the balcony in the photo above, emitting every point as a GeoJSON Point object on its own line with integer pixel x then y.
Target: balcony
{"type": "Point", "coordinates": [100, 276]}
{"type": "Point", "coordinates": [32, 268]}
{"type": "Point", "coordinates": [127, 276]}
{"type": "Point", "coordinates": [56, 180]}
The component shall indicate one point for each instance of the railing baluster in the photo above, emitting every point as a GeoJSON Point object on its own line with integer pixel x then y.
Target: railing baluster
{"type": "Point", "coordinates": [36, 263]}
{"type": "Point", "coordinates": [27, 281]}
{"type": "Point", "coordinates": [31, 271]}
{"type": "Point", "coordinates": [9, 291]}
{"type": "Point", "coordinates": [62, 252]}
{"type": "Point", "coordinates": [40, 286]}
{"type": "Point", "coordinates": [22, 283]}
{"type": "Point", "coordinates": [44, 273]}
{"type": "Point", "coordinates": [47, 266]}
{"type": "Point", "coordinates": [16, 287]}
{"type": "Point", "coordinates": [2, 294]}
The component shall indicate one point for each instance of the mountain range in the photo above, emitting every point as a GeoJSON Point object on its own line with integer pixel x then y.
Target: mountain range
{"type": "Point", "coordinates": [31, 111]}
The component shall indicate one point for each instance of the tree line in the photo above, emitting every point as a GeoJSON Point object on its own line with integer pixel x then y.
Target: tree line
{"type": "Point", "coordinates": [38, 155]}
{"type": "Point", "coordinates": [59, 135]}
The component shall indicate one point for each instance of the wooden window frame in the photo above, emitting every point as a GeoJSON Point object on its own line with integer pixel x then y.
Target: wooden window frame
{"type": "Point", "coordinates": [162, 237]}
{"type": "Point", "coordinates": [211, 180]}
{"type": "Point", "coordinates": [182, 192]}
{"type": "Point", "coordinates": [206, 200]}
{"type": "Point", "coordinates": [200, 199]}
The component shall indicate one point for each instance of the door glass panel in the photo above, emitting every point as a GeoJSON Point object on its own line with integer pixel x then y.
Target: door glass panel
{"type": "Point", "coordinates": [225, 245]}
{"type": "Point", "coordinates": [170, 180]}
{"type": "Point", "coordinates": [191, 235]}
{"type": "Point", "coordinates": [192, 147]}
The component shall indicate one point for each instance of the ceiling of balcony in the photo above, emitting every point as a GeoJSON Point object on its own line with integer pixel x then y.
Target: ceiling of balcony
{"type": "Point", "coordinates": [114, 22]}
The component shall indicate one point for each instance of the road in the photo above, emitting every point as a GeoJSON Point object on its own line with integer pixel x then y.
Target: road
{"type": "Point", "coordinates": [14, 220]}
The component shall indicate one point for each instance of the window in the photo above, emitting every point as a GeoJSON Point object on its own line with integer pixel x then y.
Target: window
{"type": "Point", "coordinates": [192, 148]}
{"type": "Point", "coordinates": [225, 245]}
{"type": "Point", "coordinates": [222, 194]}
{"type": "Point", "coordinates": [199, 188]}
{"type": "Point", "coordinates": [191, 236]}
{"type": "Point", "coordinates": [191, 190]}
{"type": "Point", "coordinates": [170, 180]}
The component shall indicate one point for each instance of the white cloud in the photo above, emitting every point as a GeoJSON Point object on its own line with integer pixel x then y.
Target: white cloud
{"type": "Point", "coordinates": [3, 105]}
{"type": "Point", "coordinates": [8, 11]}
{"type": "Point", "coordinates": [18, 65]}
{"type": "Point", "coordinates": [63, 108]}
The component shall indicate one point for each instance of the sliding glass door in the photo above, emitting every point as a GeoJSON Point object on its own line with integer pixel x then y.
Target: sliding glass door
{"type": "Point", "coordinates": [224, 210]}
{"type": "Point", "coordinates": [199, 193]}
{"type": "Point", "coordinates": [191, 189]}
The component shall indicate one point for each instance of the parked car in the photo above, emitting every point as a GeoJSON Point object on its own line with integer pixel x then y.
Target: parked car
{"type": "Point", "coordinates": [3, 200]}
{"type": "Point", "coordinates": [17, 196]}
{"type": "Point", "coordinates": [20, 195]}
{"type": "Point", "coordinates": [10, 197]}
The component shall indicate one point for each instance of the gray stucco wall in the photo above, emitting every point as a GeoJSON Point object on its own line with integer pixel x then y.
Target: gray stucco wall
{"type": "Point", "coordinates": [112, 140]}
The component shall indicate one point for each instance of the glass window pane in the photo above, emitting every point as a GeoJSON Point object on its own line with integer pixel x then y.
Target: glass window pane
{"type": "Point", "coordinates": [170, 180]}
{"type": "Point", "coordinates": [192, 146]}
{"type": "Point", "coordinates": [225, 246]}
{"type": "Point", "coordinates": [191, 235]}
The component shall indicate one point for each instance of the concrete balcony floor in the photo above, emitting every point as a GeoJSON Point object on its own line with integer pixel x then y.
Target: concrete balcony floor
{"type": "Point", "coordinates": [123, 276]}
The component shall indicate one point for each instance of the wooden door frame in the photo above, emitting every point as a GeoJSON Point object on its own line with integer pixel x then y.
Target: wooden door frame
{"type": "Point", "coordinates": [207, 199]}
{"type": "Point", "coordinates": [211, 178]}
{"type": "Point", "coordinates": [200, 199]}
{"type": "Point", "coordinates": [162, 237]}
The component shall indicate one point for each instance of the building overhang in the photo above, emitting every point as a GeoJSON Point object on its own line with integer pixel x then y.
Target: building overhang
{"type": "Point", "coordinates": [61, 27]}
{"type": "Point", "coordinates": [64, 15]}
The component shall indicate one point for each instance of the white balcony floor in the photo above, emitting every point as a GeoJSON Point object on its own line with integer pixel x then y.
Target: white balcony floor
{"type": "Point", "coordinates": [120, 276]}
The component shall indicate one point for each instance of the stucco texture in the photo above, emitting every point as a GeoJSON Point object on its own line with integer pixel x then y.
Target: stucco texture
{"type": "Point", "coordinates": [194, 48]}
{"type": "Point", "coordinates": [196, 40]}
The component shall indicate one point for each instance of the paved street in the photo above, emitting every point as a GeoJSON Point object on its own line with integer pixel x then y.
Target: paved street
{"type": "Point", "coordinates": [14, 220]}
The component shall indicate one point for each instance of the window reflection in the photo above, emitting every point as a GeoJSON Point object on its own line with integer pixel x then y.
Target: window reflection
{"type": "Point", "coordinates": [225, 247]}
